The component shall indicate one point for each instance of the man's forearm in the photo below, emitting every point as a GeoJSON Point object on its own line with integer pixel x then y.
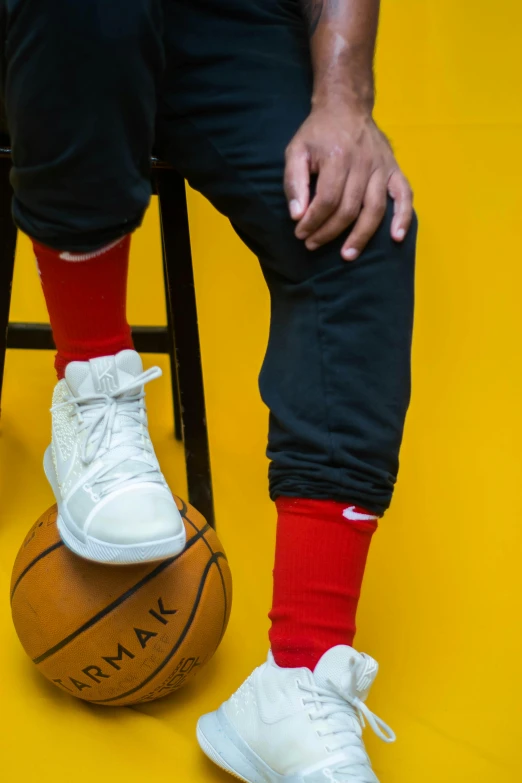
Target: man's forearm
{"type": "Point", "coordinates": [342, 40]}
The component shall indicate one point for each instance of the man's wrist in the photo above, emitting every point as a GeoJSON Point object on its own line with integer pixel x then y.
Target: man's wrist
{"type": "Point", "coordinates": [341, 96]}
{"type": "Point", "coordinates": [333, 98]}
{"type": "Point", "coordinates": [342, 46]}
{"type": "Point", "coordinates": [346, 78]}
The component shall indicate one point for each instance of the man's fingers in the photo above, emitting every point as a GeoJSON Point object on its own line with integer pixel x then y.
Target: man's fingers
{"type": "Point", "coordinates": [347, 212]}
{"type": "Point", "coordinates": [371, 216]}
{"type": "Point", "coordinates": [328, 194]}
{"type": "Point", "coordinates": [297, 180]}
{"type": "Point", "coordinates": [401, 193]}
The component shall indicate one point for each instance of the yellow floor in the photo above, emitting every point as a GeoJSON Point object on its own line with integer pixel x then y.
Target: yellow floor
{"type": "Point", "coordinates": [442, 603]}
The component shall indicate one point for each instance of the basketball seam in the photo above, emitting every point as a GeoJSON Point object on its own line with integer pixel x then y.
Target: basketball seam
{"type": "Point", "coordinates": [212, 561]}
{"type": "Point", "coordinates": [33, 563]}
{"type": "Point", "coordinates": [182, 511]}
{"type": "Point", "coordinates": [225, 596]}
{"type": "Point", "coordinates": [225, 599]}
{"type": "Point", "coordinates": [120, 600]}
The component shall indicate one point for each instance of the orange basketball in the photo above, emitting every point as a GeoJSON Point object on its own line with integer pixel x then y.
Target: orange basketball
{"type": "Point", "coordinates": [117, 635]}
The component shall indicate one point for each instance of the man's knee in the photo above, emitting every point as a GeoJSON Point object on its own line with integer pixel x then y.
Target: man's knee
{"type": "Point", "coordinates": [61, 53]}
{"type": "Point", "coordinates": [81, 19]}
{"type": "Point", "coordinates": [80, 96]}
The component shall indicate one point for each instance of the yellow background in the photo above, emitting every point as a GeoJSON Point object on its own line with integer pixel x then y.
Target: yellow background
{"type": "Point", "coordinates": [442, 602]}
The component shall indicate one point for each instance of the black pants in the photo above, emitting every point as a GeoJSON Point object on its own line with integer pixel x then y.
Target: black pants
{"type": "Point", "coordinates": [220, 86]}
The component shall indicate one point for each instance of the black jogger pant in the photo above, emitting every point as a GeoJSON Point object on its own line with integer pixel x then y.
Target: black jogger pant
{"type": "Point", "coordinates": [220, 86]}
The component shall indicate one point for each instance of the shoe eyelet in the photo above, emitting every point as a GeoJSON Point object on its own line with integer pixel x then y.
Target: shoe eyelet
{"type": "Point", "coordinates": [88, 488]}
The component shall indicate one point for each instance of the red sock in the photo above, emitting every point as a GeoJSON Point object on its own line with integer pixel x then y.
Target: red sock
{"type": "Point", "coordinates": [86, 297]}
{"type": "Point", "coordinates": [319, 567]}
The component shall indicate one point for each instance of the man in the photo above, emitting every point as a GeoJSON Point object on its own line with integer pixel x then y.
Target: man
{"type": "Point", "coordinates": [224, 88]}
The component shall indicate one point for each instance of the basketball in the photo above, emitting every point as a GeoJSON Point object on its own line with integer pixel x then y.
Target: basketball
{"type": "Point", "coordinates": [116, 635]}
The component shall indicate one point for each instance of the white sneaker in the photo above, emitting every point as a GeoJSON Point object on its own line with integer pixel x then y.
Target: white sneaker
{"type": "Point", "coordinates": [295, 726]}
{"type": "Point", "coordinates": [114, 505]}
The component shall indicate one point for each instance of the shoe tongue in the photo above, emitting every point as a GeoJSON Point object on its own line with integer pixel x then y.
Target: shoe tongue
{"type": "Point", "coordinates": [342, 668]}
{"type": "Point", "coordinates": [103, 375]}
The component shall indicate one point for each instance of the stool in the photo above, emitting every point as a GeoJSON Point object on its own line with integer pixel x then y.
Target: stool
{"type": "Point", "coordinates": [179, 339]}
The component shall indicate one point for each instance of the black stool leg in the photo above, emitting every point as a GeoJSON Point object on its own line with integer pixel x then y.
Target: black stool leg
{"type": "Point", "coordinates": [182, 309]}
{"type": "Point", "coordinates": [7, 258]}
{"type": "Point", "coordinates": [171, 350]}
{"type": "Point", "coordinates": [174, 379]}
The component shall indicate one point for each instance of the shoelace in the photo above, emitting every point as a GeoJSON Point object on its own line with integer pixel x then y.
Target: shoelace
{"type": "Point", "coordinates": [97, 414]}
{"type": "Point", "coordinates": [347, 714]}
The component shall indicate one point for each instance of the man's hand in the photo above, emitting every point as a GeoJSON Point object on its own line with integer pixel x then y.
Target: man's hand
{"type": "Point", "coordinates": [356, 170]}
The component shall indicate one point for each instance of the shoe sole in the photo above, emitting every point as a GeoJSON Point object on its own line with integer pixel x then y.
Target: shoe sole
{"type": "Point", "coordinates": [102, 552]}
{"type": "Point", "coordinates": [221, 743]}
